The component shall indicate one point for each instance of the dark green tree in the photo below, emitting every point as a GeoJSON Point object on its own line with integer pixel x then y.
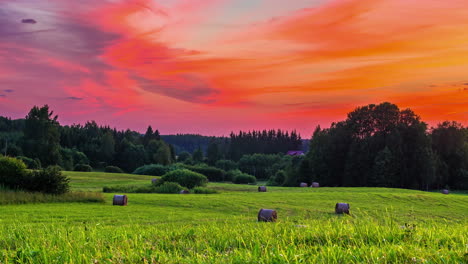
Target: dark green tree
{"type": "Point", "coordinates": [107, 149]}
{"type": "Point", "coordinates": [213, 153]}
{"type": "Point", "coordinates": [41, 136]}
{"type": "Point", "coordinates": [450, 144]}
{"type": "Point", "coordinates": [198, 155]}
{"type": "Point", "coordinates": [183, 156]}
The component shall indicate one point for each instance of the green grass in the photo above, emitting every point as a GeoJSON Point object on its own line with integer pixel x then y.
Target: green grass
{"type": "Point", "coordinates": [95, 181]}
{"type": "Point", "coordinates": [385, 226]}
{"type": "Point", "coordinates": [20, 197]}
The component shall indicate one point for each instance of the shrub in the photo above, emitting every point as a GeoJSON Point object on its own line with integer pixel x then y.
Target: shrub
{"type": "Point", "coordinates": [244, 179]}
{"type": "Point", "coordinates": [212, 173]}
{"type": "Point", "coordinates": [33, 164]}
{"type": "Point", "coordinates": [152, 169]}
{"type": "Point", "coordinates": [241, 178]}
{"type": "Point", "coordinates": [71, 157]}
{"type": "Point", "coordinates": [12, 172]}
{"type": "Point", "coordinates": [113, 169]}
{"type": "Point", "coordinates": [226, 165]}
{"type": "Point", "coordinates": [56, 167]}
{"type": "Point", "coordinates": [278, 179]}
{"type": "Point", "coordinates": [231, 174]}
{"type": "Point", "coordinates": [13, 175]}
{"type": "Point", "coordinates": [50, 180]}
{"type": "Point", "coordinates": [183, 156]}
{"type": "Point", "coordinates": [169, 187]}
{"type": "Point", "coordinates": [79, 157]}
{"type": "Point", "coordinates": [83, 167]}
{"type": "Point", "coordinates": [185, 178]}
{"type": "Point", "coordinates": [204, 190]}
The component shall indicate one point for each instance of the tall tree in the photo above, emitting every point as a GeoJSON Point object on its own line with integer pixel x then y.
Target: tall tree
{"type": "Point", "coordinates": [450, 143]}
{"type": "Point", "coordinates": [198, 155]}
{"type": "Point", "coordinates": [41, 136]}
{"type": "Point", "coordinates": [149, 135]}
{"type": "Point", "coordinates": [213, 153]}
{"type": "Point", "coordinates": [107, 149]}
{"type": "Point", "coordinates": [377, 145]}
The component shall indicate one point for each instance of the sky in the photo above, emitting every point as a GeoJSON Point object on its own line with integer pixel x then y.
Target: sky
{"type": "Point", "coordinates": [215, 66]}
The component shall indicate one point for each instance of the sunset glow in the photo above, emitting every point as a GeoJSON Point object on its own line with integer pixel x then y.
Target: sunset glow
{"type": "Point", "coordinates": [214, 66]}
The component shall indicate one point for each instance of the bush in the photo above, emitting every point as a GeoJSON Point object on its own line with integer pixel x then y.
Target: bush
{"type": "Point", "coordinates": [278, 179]}
{"type": "Point", "coordinates": [183, 156]}
{"type": "Point", "coordinates": [56, 167]}
{"type": "Point", "coordinates": [230, 175]}
{"type": "Point", "coordinates": [244, 179]}
{"type": "Point", "coordinates": [241, 178]}
{"type": "Point", "coordinates": [203, 190]}
{"type": "Point", "coordinates": [152, 169]}
{"type": "Point", "coordinates": [113, 169]}
{"type": "Point", "coordinates": [226, 165]}
{"type": "Point", "coordinates": [50, 180]}
{"type": "Point", "coordinates": [71, 157]}
{"type": "Point", "coordinates": [83, 167]}
{"type": "Point", "coordinates": [212, 173]}
{"type": "Point", "coordinates": [185, 178]}
{"type": "Point", "coordinates": [12, 172]}
{"type": "Point", "coordinates": [169, 187]}
{"type": "Point", "coordinates": [32, 164]}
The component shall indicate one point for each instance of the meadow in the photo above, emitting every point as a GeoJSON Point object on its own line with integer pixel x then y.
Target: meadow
{"type": "Point", "coordinates": [385, 226]}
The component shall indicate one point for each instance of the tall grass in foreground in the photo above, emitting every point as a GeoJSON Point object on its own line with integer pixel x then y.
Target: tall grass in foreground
{"type": "Point", "coordinates": [338, 240]}
{"type": "Point", "coordinates": [21, 197]}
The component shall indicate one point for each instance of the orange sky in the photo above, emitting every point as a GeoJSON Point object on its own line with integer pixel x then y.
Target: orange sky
{"type": "Point", "coordinates": [213, 66]}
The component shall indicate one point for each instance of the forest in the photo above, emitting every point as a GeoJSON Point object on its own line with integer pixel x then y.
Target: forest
{"type": "Point", "coordinates": [377, 145]}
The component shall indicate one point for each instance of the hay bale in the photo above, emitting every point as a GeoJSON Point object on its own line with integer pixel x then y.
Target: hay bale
{"type": "Point", "coordinates": [267, 215]}
{"type": "Point", "coordinates": [184, 192]}
{"type": "Point", "coordinates": [120, 200]}
{"type": "Point", "coordinates": [342, 208]}
{"type": "Point", "coordinates": [315, 185]}
{"type": "Point", "coordinates": [154, 181]}
{"type": "Point", "coordinates": [303, 184]}
{"type": "Point", "coordinates": [262, 188]}
{"type": "Point", "coordinates": [445, 191]}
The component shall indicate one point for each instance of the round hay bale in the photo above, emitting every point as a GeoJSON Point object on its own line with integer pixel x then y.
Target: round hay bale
{"type": "Point", "coordinates": [342, 208]}
{"type": "Point", "coordinates": [303, 184]}
{"type": "Point", "coordinates": [262, 188]}
{"type": "Point", "coordinates": [120, 200]}
{"type": "Point", "coordinates": [184, 192]}
{"type": "Point", "coordinates": [267, 215]}
{"type": "Point", "coordinates": [154, 181]}
{"type": "Point", "coordinates": [445, 191]}
{"type": "Point", "coordinates": [315, 185]}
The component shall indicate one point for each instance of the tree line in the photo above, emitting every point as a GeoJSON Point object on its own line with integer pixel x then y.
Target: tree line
{"type": "Point", "coordinates": [381, 145]}
{"type": "Point", "coordinates": [40, 137]}
{"type": "Point", "coordinates": [377, 145]}
{"type": "Point", "coordinates": [39, 140]}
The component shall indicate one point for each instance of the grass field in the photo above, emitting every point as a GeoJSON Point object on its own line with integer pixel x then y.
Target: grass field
{"type": "Point", "coordinates": [385, 226]}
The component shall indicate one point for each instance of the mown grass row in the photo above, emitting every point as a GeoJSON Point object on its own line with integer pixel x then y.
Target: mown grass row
{"type": "Point", "coordinates": [338, 240]}
{"type": "Point", "coordinates": [20, 197]}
